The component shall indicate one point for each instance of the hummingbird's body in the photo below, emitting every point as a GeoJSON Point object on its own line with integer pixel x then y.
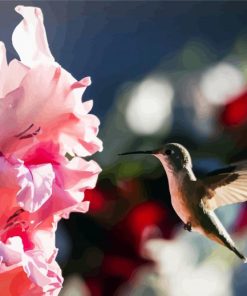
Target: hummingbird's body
{"type": "Point", "coordinates": [180, 193]}
{"type": "Point", "coordinates": [186, 197]}
{"type": "Point", "coordinates": [195, 200]}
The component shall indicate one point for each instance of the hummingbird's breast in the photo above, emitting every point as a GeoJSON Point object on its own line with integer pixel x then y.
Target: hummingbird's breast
{"type": "Point", "coordinates": [183, 198]}
{"type": "Point", "coordinates": [181, 206]}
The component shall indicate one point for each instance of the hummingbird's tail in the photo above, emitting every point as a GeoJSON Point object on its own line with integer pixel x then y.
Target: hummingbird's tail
{"type": "Point", "coordinates": [218, 233]}
{"type": "Point", "coordinates": [240, 255]}
{"type": "Point", "coordinates": [225, 240]}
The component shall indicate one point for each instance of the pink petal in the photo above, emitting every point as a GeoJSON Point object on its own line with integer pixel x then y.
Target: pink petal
{"type": "Point", "coordinates": [12, 74]}
{"type": "Point", "coordinates": [3, 68]}
{"type": "Point", "coordinates": [29, 37]}
{"type": "Point", "coordinates": [44, 238]}
{"type": "Point", "coordinates": [11, 253]}
{"type": "Point", "coordinates": [71, 180]}
{"type": "Point", "coordinates": [28, 115]}
{"type": "Point", "coordinates": [60, 203]}
{"type": "Point", "coordinates": [80, 109]}
{"type": "Point", "coordinates": [44, 274]}
{"type": "Point", "coordinates": [16, 283]}
{"type": "Point", "coordinates": [15, 73]}
{"type": "Point", "coordinates": [87, 143]}
{"type": "Point", "coordinates": [9, 171]}
{"type": "Point", "coordinates": [36, 187]}
{"type": "Point", "coordinates": [81, 207]}
{"type": "Point", "coordinates": [80, 174]}
{"type": "Point", "coordinates": [36, 268]}
{"type": "Point", "coordinates": [85, 82]}
{"type": "Point", "coordinates": [10, 124]}
{"type": "Point", "coordinates": [38, 263]}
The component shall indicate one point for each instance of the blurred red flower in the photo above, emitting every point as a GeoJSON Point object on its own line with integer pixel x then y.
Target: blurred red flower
{"type": "Point", "coordinates": [241, 221]}
{"type": "Point", "coordinates": [96, 199]}
{"type": "Point", "coordinates": [235, 112]}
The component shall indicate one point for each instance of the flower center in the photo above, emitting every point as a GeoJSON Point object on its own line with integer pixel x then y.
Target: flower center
{"type": "Point", "coordinates": [17, 226]}
{"type": "Point", "coordinates": [14, 221]}
{"type": "Point", "coordinates": [27, 133]}
{"type": "Point", "coordinates": [16, 213]}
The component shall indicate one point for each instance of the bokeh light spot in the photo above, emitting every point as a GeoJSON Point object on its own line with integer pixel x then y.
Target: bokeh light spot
{"type": "Point", "coordinates": [149, 108]}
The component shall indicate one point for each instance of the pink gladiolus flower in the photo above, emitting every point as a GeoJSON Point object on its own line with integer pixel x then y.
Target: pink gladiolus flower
{"type": "Point", "coordinates": [35, 194]}
{"type": "Point", "coordinates": [40, 100]}
{"type": "Point", "coordinates": [41, 119]}
{"type": "Point", "coordinates": [72, 178]}
{"type": "Point", "coordinates": [19, 236]}
{"type": "Point", "coordinates": [27, 272]}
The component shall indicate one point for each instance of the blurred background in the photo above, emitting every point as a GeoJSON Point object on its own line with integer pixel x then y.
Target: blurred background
{"type": "Point", "coordinates": [162, 72]}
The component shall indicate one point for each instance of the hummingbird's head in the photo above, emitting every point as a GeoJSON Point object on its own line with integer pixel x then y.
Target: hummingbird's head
{"type": "Point", "coordinates": [173, 156]}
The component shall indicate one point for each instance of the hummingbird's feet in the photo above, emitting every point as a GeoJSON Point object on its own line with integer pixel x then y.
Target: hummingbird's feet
{"type": "Point", "coordinates": [187, 226]}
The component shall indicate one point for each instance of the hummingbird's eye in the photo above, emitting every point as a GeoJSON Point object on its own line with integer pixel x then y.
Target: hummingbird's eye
{"type": "Point", "coordinates": [168, 152]}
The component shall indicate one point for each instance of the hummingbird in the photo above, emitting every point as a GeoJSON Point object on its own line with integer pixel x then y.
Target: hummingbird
{"type": "Point", "coordinates": [194, 200]}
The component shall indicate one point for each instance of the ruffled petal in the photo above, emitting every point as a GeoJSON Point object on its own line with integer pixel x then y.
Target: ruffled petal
{"type": "Point", "coordinates": [30, 116]}
{"type": "Point", "coordinates": [11, 253]}
{"type": "Point", "coordinates": [68, 189]}
{"type": "Point", "coordinates": [80, 137]}
{"type": "Point", "coordinates": [9, 170]}
{"type": "Point", "coordinates": [44, 239]}
{"type": "Point", "coordinates": [79, 174]}
{"type": "Point", "coordinates": [29, 37]}
{"type": "Point", "coordinates": [10, 122]}
{"type": "Point", "coordinates": [12, 74]}
{"type": "Point", "coordinates": [81, 207]}
{"type": "Point", "coordinates": [16, 71]}
{"type": "Point", "coordinates": [36, 186]}
{"type": "Point", "coordinates": [38, 269]}
{"type": "Point", "coordinates": [3, 68]}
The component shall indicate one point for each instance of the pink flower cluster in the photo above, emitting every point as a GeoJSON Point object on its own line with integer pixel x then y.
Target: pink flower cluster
{"type": "Point", "coordinates": [42, 119]}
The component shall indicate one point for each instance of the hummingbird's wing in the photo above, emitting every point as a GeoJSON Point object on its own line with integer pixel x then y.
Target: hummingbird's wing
{"type": "Point", "coordinates": [227, 185]}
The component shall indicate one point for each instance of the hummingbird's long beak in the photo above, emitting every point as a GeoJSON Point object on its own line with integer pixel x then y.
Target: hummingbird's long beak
{"type": "Point", "coordinates": [138, 152]}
